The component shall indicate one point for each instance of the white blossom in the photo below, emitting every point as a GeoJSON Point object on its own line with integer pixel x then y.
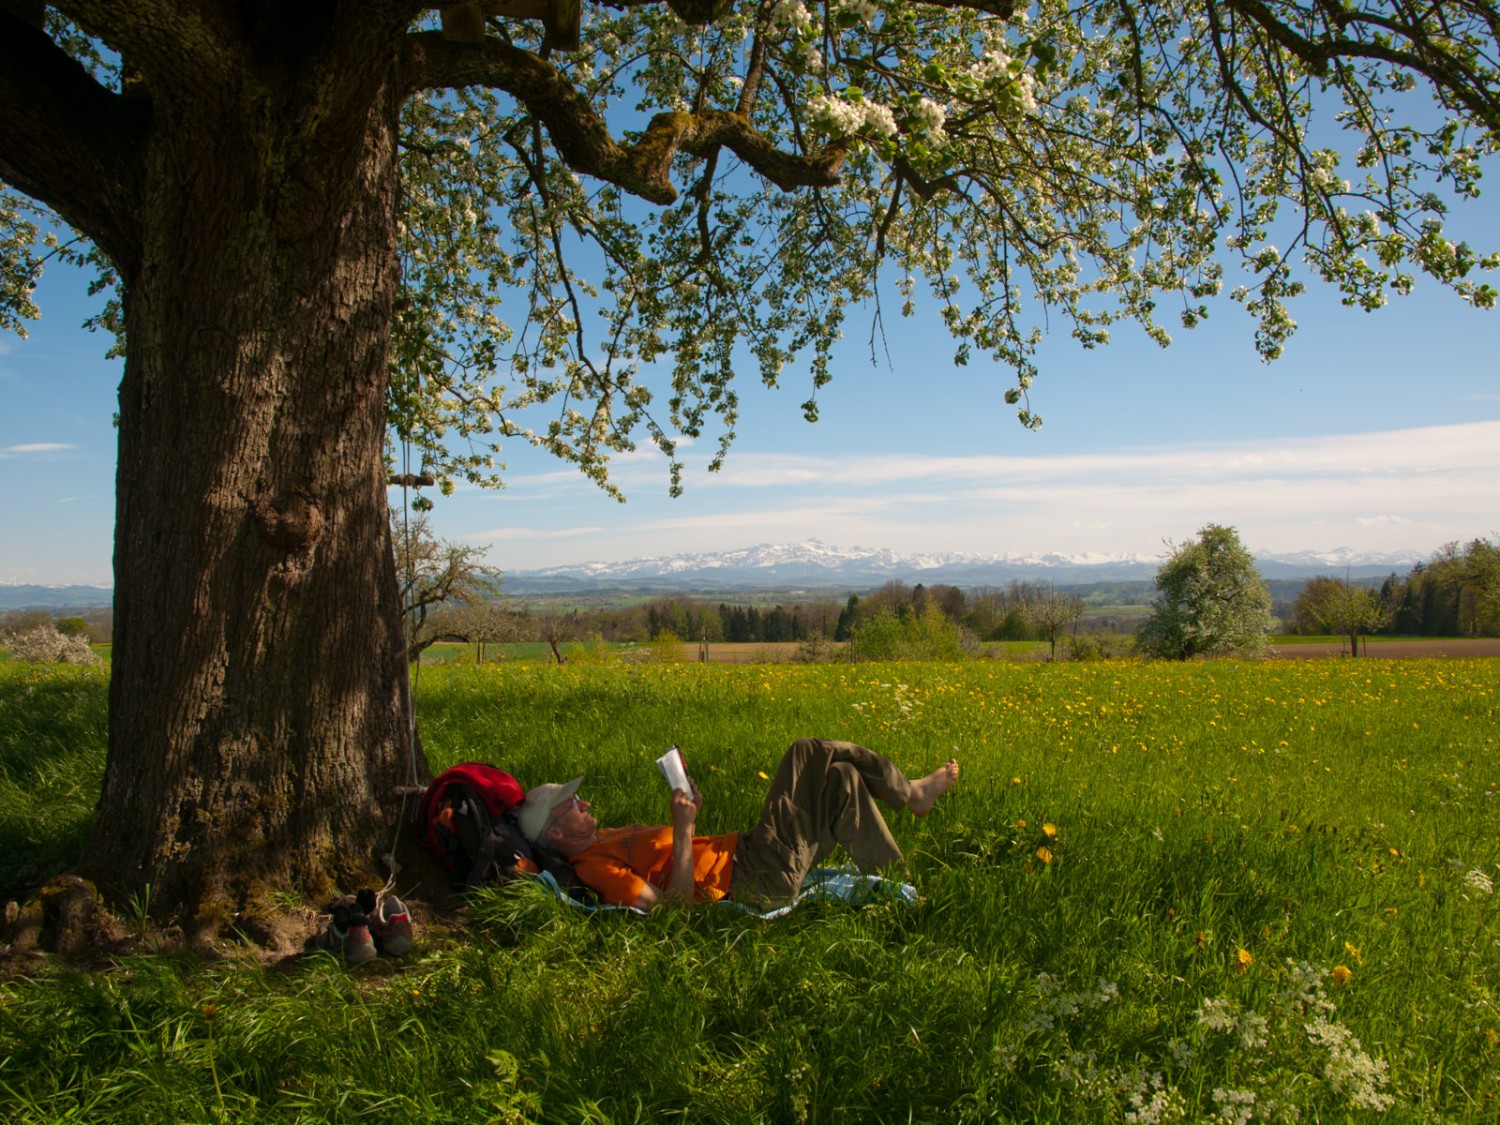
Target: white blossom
{"type": "Point", "coordinates": [930, 115]}
{"type": "Point", "coordinates": [791, 13]}
{"type": "Point", "coordinates": [864, 10]}
{"type": "Point", "coordinates": [842, 118]}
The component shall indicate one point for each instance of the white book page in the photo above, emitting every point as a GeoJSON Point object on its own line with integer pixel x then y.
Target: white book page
{"type": "Point", "coordinates": [674, 769]}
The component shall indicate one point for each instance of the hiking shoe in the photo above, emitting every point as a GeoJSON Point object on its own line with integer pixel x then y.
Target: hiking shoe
{"type": "Point", "coordinates": [348, 933]}
{"type": "Point", "coordinates": [390, 923]}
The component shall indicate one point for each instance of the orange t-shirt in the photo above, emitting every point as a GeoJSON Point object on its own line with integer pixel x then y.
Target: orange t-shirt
{"type": "Point", "coordinates": [621, 861]}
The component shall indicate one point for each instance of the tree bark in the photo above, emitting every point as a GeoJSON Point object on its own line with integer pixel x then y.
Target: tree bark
{"type": "Point", "coordinates": [247, 751]}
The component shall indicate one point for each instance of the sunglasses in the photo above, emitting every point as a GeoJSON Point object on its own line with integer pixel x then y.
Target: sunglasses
{"type": "Point", "coordinates": [573, 805]}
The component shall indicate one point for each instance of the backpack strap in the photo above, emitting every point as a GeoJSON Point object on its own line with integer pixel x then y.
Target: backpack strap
{"type": "Point", "coordinates": [501, 847]}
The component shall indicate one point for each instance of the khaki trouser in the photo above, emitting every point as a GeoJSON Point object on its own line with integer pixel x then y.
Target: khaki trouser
{"type": "Point", "coordinates": [823, 795]}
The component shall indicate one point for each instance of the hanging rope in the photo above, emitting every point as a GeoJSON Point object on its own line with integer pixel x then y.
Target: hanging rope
{"type": "Point", "coordinates": [407, 480]}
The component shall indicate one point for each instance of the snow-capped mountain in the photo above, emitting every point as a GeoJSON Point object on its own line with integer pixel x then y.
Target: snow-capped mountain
{"type": "Point", "coordinates": [815, 563]}
{"type": "Point", "coordinates": [20, 595]}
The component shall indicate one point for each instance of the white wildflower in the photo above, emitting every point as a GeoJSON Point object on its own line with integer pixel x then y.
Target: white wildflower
{"type": "Point", "coordinates": [1349, 1070]}
{"type": "Point", "coordinates": [1477, 880]}
{"type": "Point", "coordinates": [1216, 1015]}
{"type": "Point", "coordinates": [1165, 1105]}
{"type": "Point", "coordinates": [1254, 1031]}
{"type": "Point", "coordinates": [1236, 1107]}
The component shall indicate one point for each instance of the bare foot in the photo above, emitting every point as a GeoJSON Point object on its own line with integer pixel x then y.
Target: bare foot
{"type": "Point", "coordinates": [926, 791]}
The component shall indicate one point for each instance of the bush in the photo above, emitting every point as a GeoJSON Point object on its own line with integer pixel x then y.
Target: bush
{"type": "Point", "coordinates": [815, 648]}
{"type": "Point", "coordinates": [45, 645]}
{"type": "Point", "coordinates": [664, 648]}
{"type": "Point", "coordinates": [594, 651]}
{"type": "Point", "coordinates": [927, 636]}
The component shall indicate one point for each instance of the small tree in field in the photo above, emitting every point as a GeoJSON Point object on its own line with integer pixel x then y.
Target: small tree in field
{"type": "Point", "coordinates": [435, 572]}
{"type": "Point", "coordinates": [1049, 613]}
{"type": "Point", "coordinates": [1212, 601]}
{"type": "Point", "coordinates": [1343, 608]}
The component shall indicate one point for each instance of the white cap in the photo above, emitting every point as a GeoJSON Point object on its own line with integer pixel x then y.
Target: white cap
{"type": "Point", "coordinates": [536, 807]}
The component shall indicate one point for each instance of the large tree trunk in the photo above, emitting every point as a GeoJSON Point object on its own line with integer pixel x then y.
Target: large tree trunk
{"type": "Point", "coordinates": [258, 711]}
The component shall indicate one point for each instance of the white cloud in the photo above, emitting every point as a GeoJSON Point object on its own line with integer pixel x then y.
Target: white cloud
{"type": "Point", "coordinates": [1431, 449]}
{"type": "Point", "coordinates": [34, 447]}
{"type": "Point", "coordinates": [1387, 491]}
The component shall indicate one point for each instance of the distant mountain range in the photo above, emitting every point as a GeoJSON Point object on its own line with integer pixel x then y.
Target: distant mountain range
{"type": "Point", "coordinates": [817, 565]}
{"type": "Point", "coordinates": [17, 596]}
{"type": "Point", "coordinates": [814, 565]}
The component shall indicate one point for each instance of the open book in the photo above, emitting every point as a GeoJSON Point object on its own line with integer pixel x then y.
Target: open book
{"type": "Point", "coordinates": [674, 769]}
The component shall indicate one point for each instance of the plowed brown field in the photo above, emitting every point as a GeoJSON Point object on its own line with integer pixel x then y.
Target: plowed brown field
{"type": "Point", "coordinates": [1458, 646]}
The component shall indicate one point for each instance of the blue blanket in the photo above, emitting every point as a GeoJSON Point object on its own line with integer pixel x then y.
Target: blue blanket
{"type": "Point", "coordinates": [844, 884]}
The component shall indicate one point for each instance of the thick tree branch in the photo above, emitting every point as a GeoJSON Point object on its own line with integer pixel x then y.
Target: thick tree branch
{"type": "Point", "coordinates": [1431, 59]}
{"type": "Point", "coordinates": [192, 39]}
{"type": "Point", "coordinates": [68, 142]}
{"type": "Point", "coordinates": [198, 45]}
{"type": "Point", "coordinates": [582, 137]}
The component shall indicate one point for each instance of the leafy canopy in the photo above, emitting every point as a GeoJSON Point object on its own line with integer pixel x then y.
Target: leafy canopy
{"type": "Point", "coordinates": [781, 163]}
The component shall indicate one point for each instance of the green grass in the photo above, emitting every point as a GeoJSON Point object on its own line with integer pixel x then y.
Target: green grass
{"type": "Point", "coordinates": [1223, 837]}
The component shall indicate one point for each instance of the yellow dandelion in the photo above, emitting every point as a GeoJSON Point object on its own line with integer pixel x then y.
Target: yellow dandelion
{"type": "Point", "coordinates": [1049, 830]}
{"type": "Point", "coordinates": [1015, 781]}
{"type": "Point", "coordinates": [1242, 960]}
{"type": "Point", "coordinates": [1491, 1037]}
{"type": "Point", "coordinates": [1355, 953]}
{"type": "Point", "coordinates": [763, 775]}
{"type": "Point", "coordinates": [1021, 824]}
{"type": "Point", "coordinates": [1342, 975]}
{"type": "Point", "coordinates": [1044, 854]}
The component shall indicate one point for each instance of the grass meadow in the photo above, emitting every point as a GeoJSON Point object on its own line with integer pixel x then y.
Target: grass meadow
{"type": "Point", "coordinates": [1205, 892]}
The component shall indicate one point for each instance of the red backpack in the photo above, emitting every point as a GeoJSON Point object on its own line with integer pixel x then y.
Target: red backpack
{"type": "Point", "coordinates": [467, 822]}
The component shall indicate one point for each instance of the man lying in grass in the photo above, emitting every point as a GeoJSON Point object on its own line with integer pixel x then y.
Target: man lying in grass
{"type": "Point", "coordinates": [823, 794]}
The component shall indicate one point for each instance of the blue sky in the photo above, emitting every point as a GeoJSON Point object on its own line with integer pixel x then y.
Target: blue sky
{"type": "Point", "coordinates": [1376, 432]}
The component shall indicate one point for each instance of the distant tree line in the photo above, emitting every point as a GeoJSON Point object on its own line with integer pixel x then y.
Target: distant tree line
{"type": "Point", "coordinates": [93, 624]}
{"type": "Point", "coordinates": [1454, 594]}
